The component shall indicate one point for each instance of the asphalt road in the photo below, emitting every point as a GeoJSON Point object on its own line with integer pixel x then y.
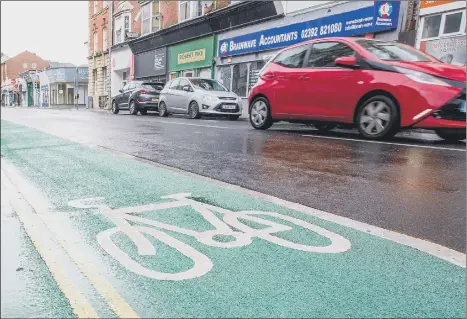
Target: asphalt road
{"type": "Point", "coordinates": [414, 184]}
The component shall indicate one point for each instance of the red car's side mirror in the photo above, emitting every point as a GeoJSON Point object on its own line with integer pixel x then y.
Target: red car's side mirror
{"type": "Point", "coordinates": [346, 61]}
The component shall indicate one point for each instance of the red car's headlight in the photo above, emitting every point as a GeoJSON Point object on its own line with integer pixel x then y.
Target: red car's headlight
{"type": "Point", "coordinates": [421, 77]}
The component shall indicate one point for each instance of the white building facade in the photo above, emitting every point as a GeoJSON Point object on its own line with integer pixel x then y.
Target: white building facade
{"type": "Point", "coordinates": [441, 30]}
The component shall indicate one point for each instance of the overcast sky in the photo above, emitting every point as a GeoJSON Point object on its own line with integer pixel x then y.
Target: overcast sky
{"type": "Point", "coordinates": [54, 30]}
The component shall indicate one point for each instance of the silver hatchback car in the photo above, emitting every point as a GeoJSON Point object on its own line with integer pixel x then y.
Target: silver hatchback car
{"type": "Point", "coordinates": [198, 96]}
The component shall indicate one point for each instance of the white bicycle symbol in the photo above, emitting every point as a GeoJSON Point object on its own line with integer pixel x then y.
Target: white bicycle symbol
{"type": "Point", "coordinates": [201, 263]}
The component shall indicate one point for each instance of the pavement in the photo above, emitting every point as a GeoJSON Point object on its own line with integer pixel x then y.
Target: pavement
{"type": "Point", "coordinates": [173, 217]}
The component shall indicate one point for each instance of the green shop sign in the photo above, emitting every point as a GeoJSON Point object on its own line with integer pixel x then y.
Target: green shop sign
{"type": "Point", "coordinates": [191, 55]}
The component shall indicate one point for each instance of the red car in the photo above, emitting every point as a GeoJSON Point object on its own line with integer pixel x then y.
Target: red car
{"type": "Point", "coordinates": [379, 87]}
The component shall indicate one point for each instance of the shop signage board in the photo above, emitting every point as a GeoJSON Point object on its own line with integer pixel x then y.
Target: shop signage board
{"type": "Point", "coordinates": [382, 16]}
{"type": "Point", "coordinates": [429, 4]}
{"type": "Point", "coordinates": [191, 55]}
{"type": "Point", "coordinates": [449, 50]}
{"type": "Point", "coordinates": [60, 75]}
{"type": "Point", "coordinates": [151, 63]}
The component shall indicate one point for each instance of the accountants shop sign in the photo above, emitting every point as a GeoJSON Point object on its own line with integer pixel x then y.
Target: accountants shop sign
{"type": "Point", "coordinates": [382, 16]}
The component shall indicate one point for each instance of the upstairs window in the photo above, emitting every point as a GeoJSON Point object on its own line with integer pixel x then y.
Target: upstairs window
{"type": "Point", "coordinates": [104, 39]}
{"type": "Point", "coordinates": [189, 10]}
{"type": "Point", "coordinates": [95, 42]}
{"type": "Point", "coordinates": [96, 3]}
{"type": "Point", "coordinates": [445, 24]}
{"type": "Point", "coordinates": [150, 17]}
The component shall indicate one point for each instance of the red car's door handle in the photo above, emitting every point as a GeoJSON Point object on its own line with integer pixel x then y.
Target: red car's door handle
{"type": "Point", "coordinates": [303, 77]}
{"type": "Point", "coordinates": [268, 76]}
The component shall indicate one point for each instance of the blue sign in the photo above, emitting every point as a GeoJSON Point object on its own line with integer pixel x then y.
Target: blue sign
{"type": "Point", "coordinates": [382, 16]}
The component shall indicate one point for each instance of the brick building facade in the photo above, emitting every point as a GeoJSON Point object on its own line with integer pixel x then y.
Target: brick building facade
{"type": "Point", "coordinates": [98, 58]}
{"type": "Point", "coordinates": [20, 63]}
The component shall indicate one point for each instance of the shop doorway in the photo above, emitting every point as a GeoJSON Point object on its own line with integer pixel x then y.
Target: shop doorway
{"type": "Point", "coordinates": [70, 93]}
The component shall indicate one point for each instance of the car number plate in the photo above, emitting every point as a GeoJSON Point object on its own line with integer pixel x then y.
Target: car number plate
{"type": "Point", "coordinates": [229, 107]}
{"type": "Point", "coordinates": [155, 100]}
{"type": "Point", "coordinates": [462, 107]}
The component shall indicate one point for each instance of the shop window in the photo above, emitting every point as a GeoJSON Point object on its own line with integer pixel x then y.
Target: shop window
{"type": "Point", "coordinates": [239, 79]}
{"type": "Point", "coordinates": [225, 76]}
{"type": "Point", "coordinates": [323, 55]}
{"type": "Point", "coordinates": [255, 69]}
{"type": "Point", "coordinates": [292, 58]}
{"type": "Point", "coordinates": [104, 39]}
{"type": "Point", "coordinates": [150, 17]}
{"type": "Point", "coordinates": [452, 23]}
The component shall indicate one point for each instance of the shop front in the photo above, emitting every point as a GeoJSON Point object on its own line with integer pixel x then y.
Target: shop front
{"type": "Point", "coordinates": [23, 89]}
{"type": "Point", "coordinates": [121, 62]}
{"type": "Point", "coordinates": [151, 65]}
{"type": "Point", "coordinates": [442, 30]}
{"type": "Point", "coordinates": [192, 58]}
{"type": "Point", "coordinates": [65, 83]}
{"type": "Point", "coordinates": [44, 89]}
{"type": "Point", "coordinates": [242, 53]}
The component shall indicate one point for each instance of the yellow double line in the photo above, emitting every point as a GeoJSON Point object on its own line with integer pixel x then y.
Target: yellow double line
{"type": "Point", "coordinates": [12, 181]}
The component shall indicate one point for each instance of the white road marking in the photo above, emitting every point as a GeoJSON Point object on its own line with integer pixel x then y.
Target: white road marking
{"type": "Point", "coordinates": [46, 247]}
{"type": "Point", "coordinates": [40, 205]}
{"type": "Point", "coordinates": [439, 251]}
{"type": "Point", "coordinates": [190, 124]}
{"type": "Point", "coordinates": [201, 264]}
{"type": "Point", "coordinates": [386, 143]}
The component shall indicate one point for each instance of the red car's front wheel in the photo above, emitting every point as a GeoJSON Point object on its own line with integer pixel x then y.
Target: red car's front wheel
{"type": "Point", "coordinates": [378, 118]}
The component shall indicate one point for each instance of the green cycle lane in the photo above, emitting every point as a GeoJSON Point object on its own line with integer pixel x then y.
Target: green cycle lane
{"type": "Point", "coordinates": [215, 253]}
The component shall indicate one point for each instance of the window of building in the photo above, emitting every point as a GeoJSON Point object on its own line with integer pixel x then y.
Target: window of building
{"type": "Point", "coordinates": [34, 65]}
{"type": "Point", "coordinates": [104, 78]}
{"type": "Point", "coordinates": [452, 23]}
{"type": "Point", "coordinates": [126, 24]}
{"type": "Point", "coordinates": [95, 42]}
{"type": "Point", "coordinates": [323, 55]}
{"type": "Point", "coordinates": [94, 77]}
{"type": "Point", "coordinates": [189, 9]}
{"type": "Point", "coordinates": [104, 39]}
{"type": "Point", "coordinates": [449, 23]}
{"type": "Point", "coordinates": [96, 3]}
{"type": "Point", "coordinates": [118, 36]}
{"type": "Point", "coordinates": [150, 17]}
{"type": "Point", "coordinates": [292, 58]}
{"type": "Point", "coordinates": [431, 26]}
{"type": "Point", "coordinates": [239, 79]}
{"type": "Point", "coordinates": [25, 65]}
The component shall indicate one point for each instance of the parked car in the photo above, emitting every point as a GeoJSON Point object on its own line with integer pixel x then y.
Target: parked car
{"type": "Point", "coordinates": [198, 96]}
{"type": "Point", "coordinates": [137, 96]}
{"type": "Point", "coordinates": [378, 86]}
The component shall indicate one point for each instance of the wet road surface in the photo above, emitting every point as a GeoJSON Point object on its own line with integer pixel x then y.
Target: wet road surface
{"type": "Point", "coordinates": [414, 184]}
{"type": "Point", "coordinates": [131, 239]}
